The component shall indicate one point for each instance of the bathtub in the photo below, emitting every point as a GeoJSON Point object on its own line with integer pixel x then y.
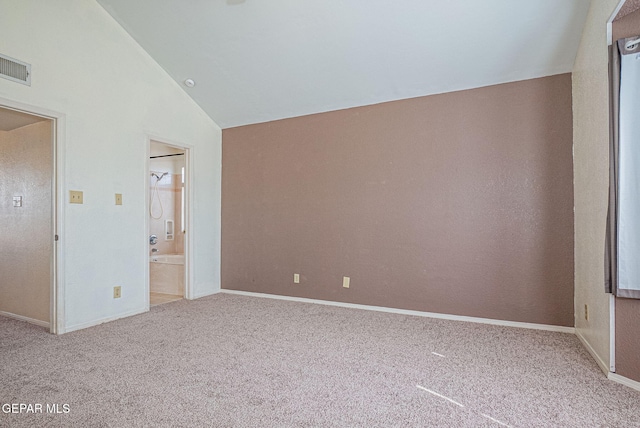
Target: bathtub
{"type": "Point", "coordinates": [166, 274]}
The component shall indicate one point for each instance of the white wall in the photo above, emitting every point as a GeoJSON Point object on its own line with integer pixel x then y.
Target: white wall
{"type": "Point", "coordinates": [591, 175]}
{"type": "Point", "coordinates": [113, 96]}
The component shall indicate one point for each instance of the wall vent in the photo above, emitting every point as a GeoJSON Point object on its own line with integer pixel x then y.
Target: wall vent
{"type": "Point", "coordinates": [15, 70]}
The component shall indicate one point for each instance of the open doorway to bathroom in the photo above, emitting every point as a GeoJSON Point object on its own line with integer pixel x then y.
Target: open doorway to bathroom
{"type": "Point", "coordinates": [28, 215]}
{"type": "Point", "coordinates": [167, 213]}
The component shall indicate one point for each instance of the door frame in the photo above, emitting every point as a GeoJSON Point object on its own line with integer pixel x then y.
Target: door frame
{"type": "Point", "coordinates": [56, 287]}
{"type": "Point", "coordinates": [188, 238]}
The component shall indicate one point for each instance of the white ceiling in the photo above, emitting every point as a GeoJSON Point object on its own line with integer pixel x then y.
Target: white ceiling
{"type": "Point", "coordinates": [256, 60]}
{"type": "Point", "coordinates": [12, 119]}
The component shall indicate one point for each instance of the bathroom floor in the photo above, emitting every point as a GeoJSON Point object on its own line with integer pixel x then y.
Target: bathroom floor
{"type": "Point", "coordinates": [161, 298]}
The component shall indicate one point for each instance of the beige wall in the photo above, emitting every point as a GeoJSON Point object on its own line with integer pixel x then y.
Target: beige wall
{"type": "Point", "coordinates": [628, 310]}
{"type": "Point", "coordinates": [591, 150]}
{"type": "Point", "coordinates": [25, 242]}
{"type": "Point", "coordinates": [459, 203]}
{"type": "Point", "coordinates": [591, 175]}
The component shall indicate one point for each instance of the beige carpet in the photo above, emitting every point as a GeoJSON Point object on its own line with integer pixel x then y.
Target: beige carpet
{"type": "Point", "coordinates": [235, 361]}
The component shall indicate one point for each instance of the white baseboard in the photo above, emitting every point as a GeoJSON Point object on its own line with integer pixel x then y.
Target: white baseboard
{"type": "Point", "coordinates": [26, 319]}
{"type": "Point", "coordinates": [93, 323]}
{"type": "Point", "coordinates": [624, 380]}
{"type": "Point", "coordinates": [533, 326]}
{"type": "Point", "coordinates": [603, 366]}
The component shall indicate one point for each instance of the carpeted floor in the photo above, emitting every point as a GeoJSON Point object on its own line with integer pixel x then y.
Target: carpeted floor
{"type": "Point", "coordinates": [236, 361]}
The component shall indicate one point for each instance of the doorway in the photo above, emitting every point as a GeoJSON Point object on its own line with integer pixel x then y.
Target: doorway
{"type": "Point", "coordinates": [28, 216]}
{"type": "Point", "coordinates": [167, 216]}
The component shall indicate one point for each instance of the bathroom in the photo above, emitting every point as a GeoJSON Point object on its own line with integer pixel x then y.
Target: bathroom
{"type": "Point", "coordinates": [167, 219]}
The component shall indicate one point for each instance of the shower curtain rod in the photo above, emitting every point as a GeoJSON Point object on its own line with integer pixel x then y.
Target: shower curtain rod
{"type": "Point", "coordinates": [166, 156]}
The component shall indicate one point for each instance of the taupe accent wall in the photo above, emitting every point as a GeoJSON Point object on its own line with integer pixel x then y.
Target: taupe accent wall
{"type": "Point", "coordinates": [628, 338]}
{"type": "Point", "coordinates": [627, 310]}
{"type": "Point", "coordinates": [460, 203]}
{"type": "Point", "coordinates": [627, 26]}
{"type": "Point", "coordinates": [26, 239]}
{"type": "Point", "coordinates": [628, 7]}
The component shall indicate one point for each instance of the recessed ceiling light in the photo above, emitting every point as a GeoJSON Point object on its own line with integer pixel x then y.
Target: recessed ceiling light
{"type": "Point", "coordinates": [190, 83]}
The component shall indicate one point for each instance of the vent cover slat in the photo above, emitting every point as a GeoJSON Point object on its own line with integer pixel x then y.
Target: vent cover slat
{"type": "Point", "coordinates": [15, 70]}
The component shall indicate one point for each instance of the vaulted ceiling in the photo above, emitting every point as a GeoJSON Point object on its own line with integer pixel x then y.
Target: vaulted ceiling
{"type": "Point", "coordinates": [256, 61]}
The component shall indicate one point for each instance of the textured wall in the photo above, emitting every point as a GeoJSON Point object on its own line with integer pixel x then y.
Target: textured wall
{"type": "Point", "coordinates": [629, 26]}
{"type": "Point", "coordinates": [628, 310]}
{"type": "Point", "coordinates": [628, 7]}
{"type": "Point", "coordinates": [628, 338]}
{"type": "Point", "coordinates": [113, 96]}
{"type": "Point", "coordinates": [26, 168]}
{"type": "Point", "coordinates": [591, 177]}
{"type": "Point", "coordinates": [458, 203]}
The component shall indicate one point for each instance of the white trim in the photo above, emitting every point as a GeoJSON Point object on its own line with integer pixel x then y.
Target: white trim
{"type": "Point", "coordinates": [58, 288]}
{"type": "Point", "coordinates": [147, 197]}
{"type": "Point", "coordinates": [609, 33]}
{"type": "Point", "coordinates": [594, 354]}
{"type": "Point", "coordinates": [189, 292]}
{"type": "Point", "coordinates": [26, 319]}
{"type": "Point", "coordinates": [616, 10]}
{"type": "Point", "coordinates": [56, 306]}
{"type": "Point", "coordinates": [612, 333]}
{"type": "Point", "coordinates": [633, 384]}
{"type": "Point", "coordinates": [104, 320]}
{"type": "Point", "coordinates": [610, 21]}
{"type": "Point", "coordinates": [547, 327]}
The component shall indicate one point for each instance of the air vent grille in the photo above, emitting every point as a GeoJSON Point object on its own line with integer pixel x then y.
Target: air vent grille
{"type": "Point", "coordinates": [15, 70]}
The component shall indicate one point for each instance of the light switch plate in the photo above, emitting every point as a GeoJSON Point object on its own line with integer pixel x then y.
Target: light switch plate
{"type": "Point", "coordinates": [118, 198]}
{"type": "Point", "coordinates": [17, 201]}
{"type": "Point", "coordinates": [296, 278]}
{"type": "Point", "coordinates": [75, 196]}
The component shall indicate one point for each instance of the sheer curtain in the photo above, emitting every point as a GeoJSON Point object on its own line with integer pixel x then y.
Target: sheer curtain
{"type": "Point", "coordinates": [623, 231]}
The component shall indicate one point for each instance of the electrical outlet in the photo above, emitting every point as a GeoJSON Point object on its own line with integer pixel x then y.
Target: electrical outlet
{"type": "Point", "coordinates": [296, 278]}
{"type": "Point", "coordinates": [586, 312]}
{"type": "Point", "coordinates": [345, 281]}
{"type": "Point", "coordinates": [117, 292]}
{"type": "Point", "coordinates": [75, 196]}
{"type": "Point", "coordinates": [118, 198]}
